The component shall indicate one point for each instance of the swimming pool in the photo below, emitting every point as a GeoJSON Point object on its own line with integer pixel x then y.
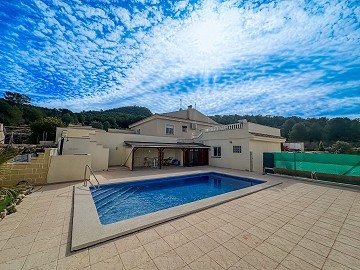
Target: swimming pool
{"type": "Point", "coordinates": [121, 201]}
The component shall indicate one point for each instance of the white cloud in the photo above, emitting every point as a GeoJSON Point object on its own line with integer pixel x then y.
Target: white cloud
{"type": "Point", "coordinates": [277, 58]}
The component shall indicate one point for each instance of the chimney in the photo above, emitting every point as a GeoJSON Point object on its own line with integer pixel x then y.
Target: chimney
{"type": "Point", "coordinates": [190, 113]}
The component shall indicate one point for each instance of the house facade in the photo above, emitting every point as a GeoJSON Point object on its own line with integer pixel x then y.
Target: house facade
{"type": "Point", "coordinates": [183, 138]}
{"type": "Point", "coordinates": [180, 124]}
{"type": "Point", "coordinates": [241, 145]}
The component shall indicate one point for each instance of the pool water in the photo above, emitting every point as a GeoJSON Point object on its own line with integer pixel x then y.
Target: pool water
{"type": "Point", "coordinates": [116, 202]}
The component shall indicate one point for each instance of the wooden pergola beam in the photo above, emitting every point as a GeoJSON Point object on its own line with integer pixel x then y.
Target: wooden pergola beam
{"type": "Point", "coordinates": [132, 157]}
{"type": "Point", "coordinates": [161, 155]}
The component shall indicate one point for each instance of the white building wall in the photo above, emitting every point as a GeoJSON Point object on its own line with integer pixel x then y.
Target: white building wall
{"type": "Point", "coordinates": [256, 128]}
{"type": "Point", "coordinates": [258, 148]}
{"type": "Point", "coordinates": [252, 148]}
{"type": "Point", "coordinates": [99, 154]}
{"type": "Point", "coordinates": [229, 159]}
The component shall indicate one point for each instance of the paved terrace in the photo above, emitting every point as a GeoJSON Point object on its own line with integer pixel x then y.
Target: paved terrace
{"type": "Point", "coordinates": [296, 225]}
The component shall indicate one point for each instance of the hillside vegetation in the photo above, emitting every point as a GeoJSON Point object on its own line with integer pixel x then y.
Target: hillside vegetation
{"type": "Point", "coordinates": [16, 110]}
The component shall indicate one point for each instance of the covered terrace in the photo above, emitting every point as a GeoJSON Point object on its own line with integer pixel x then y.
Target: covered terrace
{"type": "Point", "coordinates": [157, 154]}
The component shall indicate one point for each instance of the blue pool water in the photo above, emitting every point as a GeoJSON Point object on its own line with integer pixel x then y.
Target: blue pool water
{"type": "Point", "coordinates": [116, 202]}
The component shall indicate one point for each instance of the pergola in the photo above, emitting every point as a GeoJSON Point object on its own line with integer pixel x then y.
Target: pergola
{"type": "Point", "coordinates": [185, 147]}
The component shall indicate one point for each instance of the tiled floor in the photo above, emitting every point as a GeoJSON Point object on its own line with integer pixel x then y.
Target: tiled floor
{"type": "Point", "coordinates": [297, 225]}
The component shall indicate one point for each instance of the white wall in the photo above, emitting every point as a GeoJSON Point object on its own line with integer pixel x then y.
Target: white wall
{"type": "Point", "coordinates": [229, 159]}
{"type": "Point", "coordinates": [115, 143]}
{"type": "Point", "coordinates": [156, 127]}
{"type": "Point", "coordinates": [67, 168]}
{"type": "Point", "coordinates": [256, 128]}
{"type": "Point", "coordinates": [228, 138]}
{"type": "Point", "coordinates": [258, 148]}
{"type": "Point", "coordinates": [99, 154]}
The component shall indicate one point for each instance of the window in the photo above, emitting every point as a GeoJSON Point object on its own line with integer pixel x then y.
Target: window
{"type": "Point", "coordinates": [137, 131]}
{"type": "Point", "coordinates": [169, 129]}
{"type": "Point", "coordinates": [184, 128]}
{"type": "Point", "coordinates": [193, 126]}
{"type": "Point", "coordinates": [216, 151]}
{"type": "Point", "coordinates": [236, 149]}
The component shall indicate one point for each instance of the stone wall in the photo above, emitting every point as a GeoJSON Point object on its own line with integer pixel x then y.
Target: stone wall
{"type": "Point", "coordinates": [35, 172]}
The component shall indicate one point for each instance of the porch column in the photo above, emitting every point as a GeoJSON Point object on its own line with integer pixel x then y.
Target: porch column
{"type": "Point", "coordinates": [132, 157]}
{"type": "Point", "coordinates": [185, 157]}
{"type": "Point", "coordinates": [161, 155]}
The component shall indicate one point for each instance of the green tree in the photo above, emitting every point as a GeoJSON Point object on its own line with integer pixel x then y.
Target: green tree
{"type": "Point", "coordinates": [10, 115]}
{"type": "Point", "coordinates": [16, 98]}
{"type": "Point", "coordinates": [286, 127]}
{"type": "Point", "coordinates": [67, 119]}
{"type": "Point", "coordinates": [97, 124]}
{"type": "Point", "coordinates": [315, 131]}
{"type": "Point", "coordinates": [106, 125]}
{"type": "Point", "coordinates": [321, 146]}
{"type": "Point", "coordinates": [341, 147]}
{"type": "Point", "coordinates": [44, 128]}
{"type": "Point", "coordinates": [298, 133]}
{"type": "Point", "coordinates": [81, 118]}
{"type": "Point", "coordinates": [338, 129]}
{"type": "Point", "coordinates": [31, 114]}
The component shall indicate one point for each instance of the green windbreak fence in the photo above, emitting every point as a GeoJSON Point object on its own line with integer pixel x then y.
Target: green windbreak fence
{"type": "Point", "coordinates": [340, 164]}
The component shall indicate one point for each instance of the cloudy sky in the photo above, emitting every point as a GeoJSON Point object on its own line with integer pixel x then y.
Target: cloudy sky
{"type": "Point", "coordinates": [246, 57]}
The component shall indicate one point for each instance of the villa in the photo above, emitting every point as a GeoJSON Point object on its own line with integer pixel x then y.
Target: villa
{"type": "Point", "coordinates": [187, 136]}
{"type": "Point", "coordinates": [216, 208]}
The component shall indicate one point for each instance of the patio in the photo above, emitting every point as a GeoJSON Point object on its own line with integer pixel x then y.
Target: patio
{"type": "Point", "coordinates": [296, 225]}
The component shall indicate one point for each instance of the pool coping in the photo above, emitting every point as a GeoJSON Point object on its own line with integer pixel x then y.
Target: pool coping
{"type": "Point", "coordinates": [88, 231]}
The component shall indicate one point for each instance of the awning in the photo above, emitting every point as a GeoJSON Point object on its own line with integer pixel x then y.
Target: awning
{"type": "Point", "coordinates": [165, 145]}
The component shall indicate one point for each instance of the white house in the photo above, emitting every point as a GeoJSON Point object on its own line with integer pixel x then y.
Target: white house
{"type": "Point", "coordinates": [187, 136]}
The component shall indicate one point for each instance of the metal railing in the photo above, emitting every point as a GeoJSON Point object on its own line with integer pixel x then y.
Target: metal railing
{"type": "Point", "coordinates": [88, 180]}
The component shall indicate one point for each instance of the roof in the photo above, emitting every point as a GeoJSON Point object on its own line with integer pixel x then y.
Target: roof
{"type": "Point", "coordinates": [162, 116]}
{"type": "Point", "coordinates": [190, 115]}
{"type": "Point", "coordinates": [266, 135]}
{"type": "Point", "coordinates": [164, 145]}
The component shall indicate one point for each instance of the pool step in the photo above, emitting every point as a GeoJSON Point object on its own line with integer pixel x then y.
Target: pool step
{"type": "Point", "coordinates": [111, 197]}
{"type": "Point", "coordinates": [104, 212]}
{"type": "Point", "coordinates": [98, 192]}
{"type": "Point", "coordinates": [106, 195]}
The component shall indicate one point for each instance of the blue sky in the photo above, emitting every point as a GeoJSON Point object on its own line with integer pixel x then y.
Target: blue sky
{"type": "Point", "coordinates": [246, 57]}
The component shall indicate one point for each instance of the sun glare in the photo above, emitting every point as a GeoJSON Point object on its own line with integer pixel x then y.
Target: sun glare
{"type": "Point", "coordinates": [207, 36]}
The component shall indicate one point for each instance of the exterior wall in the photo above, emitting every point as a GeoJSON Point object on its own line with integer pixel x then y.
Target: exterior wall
{"type": "Point", "coordinates": [34, 172]}
{"type": "Point", "coordinates": [156, 127]}
{"type": "Point", "coordinates": [252, 127]}
{"type": "Point", "coordinates": [67, 168]}
{"type": "Point", "coordinates": [227, 138]}
{"type": "Point", "coordinates": [115, 143]}
{"type": "Point", "coordinates": [106, 148]}
{"type": "Point", "coordinates": [229, 159]}
{"type": "Point", "coordinates": [74, 132]}
{"type": "Point", "coordinates": [99, 154]}
{"type": "Point", "coordinates": [258, 148]}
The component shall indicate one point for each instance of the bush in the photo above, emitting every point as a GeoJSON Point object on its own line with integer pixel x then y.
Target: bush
{"type": "Point", "coordinates": [44, 128]}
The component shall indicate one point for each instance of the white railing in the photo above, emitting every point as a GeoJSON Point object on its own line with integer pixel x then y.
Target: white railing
{"type": "Point", "coordinates": [225, 127]}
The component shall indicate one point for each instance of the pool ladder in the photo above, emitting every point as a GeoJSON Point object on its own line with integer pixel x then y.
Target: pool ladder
{"type": "Point", "coordinates": [88, 180]}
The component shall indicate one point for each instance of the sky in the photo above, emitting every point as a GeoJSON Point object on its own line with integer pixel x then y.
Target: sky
{"type": "Point", "coordinates": [245, 57]}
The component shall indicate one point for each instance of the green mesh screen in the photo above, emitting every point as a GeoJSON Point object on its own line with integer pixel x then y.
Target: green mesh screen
{"type": "Point", "coordinates": [325, 163]}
